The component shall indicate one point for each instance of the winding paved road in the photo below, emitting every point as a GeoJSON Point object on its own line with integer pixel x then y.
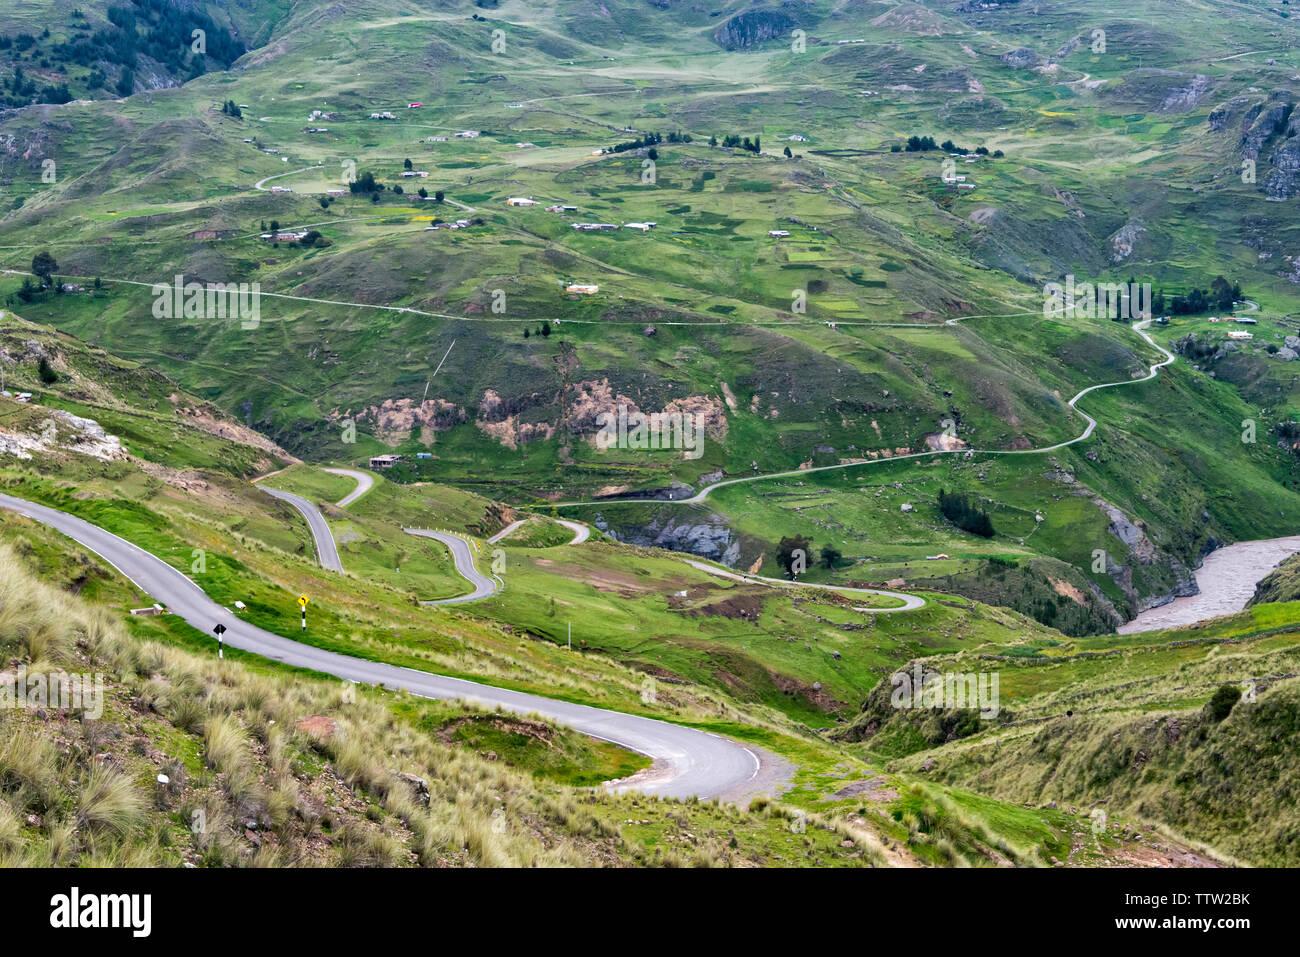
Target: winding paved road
{"type": "Point", "coordinates": [580, 531]}
{"type": "Point", "coordinates": [687, 762]}
{"type": "Point", "coordinates": [506, 531]}
{"type": "Point", "coordinates": [258, 184]}
{"type": "Point", "coordinates": [702, 494]}
{"type": "Point", "coordinates": [326, 550]}
{"type": "Point", "coordinates": [364, 484]}
{"type": "Point", "coordinates": [462, 554]}
{"type": "Point", "coordinates": [910, 602]}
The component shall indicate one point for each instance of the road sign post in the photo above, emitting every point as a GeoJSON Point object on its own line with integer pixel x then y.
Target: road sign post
{"type": "Point", "coordinates": [220, 630]}
{"type": "Point", "coordinates": [302, 601]}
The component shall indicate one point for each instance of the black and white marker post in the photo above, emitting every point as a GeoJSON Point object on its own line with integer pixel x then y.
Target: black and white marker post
{"type": "Point", "coordinates": [302, 601]}
{"type": "Point", "coordinates": [219, 630]}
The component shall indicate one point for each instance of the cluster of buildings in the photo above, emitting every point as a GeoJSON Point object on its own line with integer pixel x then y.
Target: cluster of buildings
{"type": "Point", "coordinates": [283, 237]}
{"type": "Point", "coordinates": [458, 224]}
{"type": "Point", "coordinates": [521, 201]}
{"type": "Point", "coordinates": [585, 288]}
{"type": "Point", "coordinates": [383, 116]}
{"type": "Point", "coordinates": [1241, 320]}
{"type": "Point", "coordinates": [596, 227]}
{"type": "Point", "coordinates": [408, 173]}
{"type": "Point", "coordinates": [468, 134]}
{"type": "Point", "coordinates": [561, 209]}
{"type": "Point", "coordinates": [282, 189]}
{"type": "Point", "coordinates": [388, 461]}
{"type": "Point", "coordinates": [778, 233]}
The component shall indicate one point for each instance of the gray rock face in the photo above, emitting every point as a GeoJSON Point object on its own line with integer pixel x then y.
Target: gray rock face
{"type": "Point", "coordinates": [1187, 97]}
{"type": "Point", "coordinates": [712, 539]}
{"type": "Point", "coordinates": [1020, 58]}
{"type": "Point", "coordinates": [1269, 122]}
{"type": "Point", "coordinates": [1221, 117]}
{"type": "Point", "coordinates": [753, 27]}
{"type": "Point", "coordinates": [1123, 240]}
{"type": "Point", "coordinates": [1283, 181]}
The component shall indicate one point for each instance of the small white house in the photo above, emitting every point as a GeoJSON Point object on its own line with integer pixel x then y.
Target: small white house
{"type": "Point", "coordinates": [778, 233]}
{"type": "Point", "coordinates": [468, 134]}
{"type": "Point", "coordinates": [585, 288]}
{"type": "Point", "coordinates": [521, 201]}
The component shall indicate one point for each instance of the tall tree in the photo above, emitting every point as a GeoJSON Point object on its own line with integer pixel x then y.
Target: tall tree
{"type": "Point", "coordinates": [43, 265]}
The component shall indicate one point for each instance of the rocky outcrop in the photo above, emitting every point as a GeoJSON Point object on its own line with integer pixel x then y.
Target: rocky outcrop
{"type": "Point", "coordinates": [1021, 58]}
{"type": "Point", "coordinates": [711, 539]}
{"type": "Point", "coordinates": [1263, 122]}
{"type": "Point", "coordinates": [1123, 240]}
{"type": "Point", "coordinates": [748, 29]}
{"type": "Point", "coordinates": [1187, 97]}
{"type": "Point", "coordinates": [1283, 180]}
{"type": "Point", "coordinates": [395, 419]}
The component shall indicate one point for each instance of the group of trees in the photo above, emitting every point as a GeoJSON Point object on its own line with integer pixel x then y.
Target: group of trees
{"type": "Point", "coordinates": [965, 514]}
{"type": "Point", "coordinates": [161, 31]}
{"type": "Point", "coordinates": [732, 142]}
{"type": "Point", "coordinates": [923, 144]}
{"type": "Point", "coordinates": [44, 267]}
{"type": "Point", "coordinates": [793, 554]}
{"type": "Point", "coordinates": [543, 330]}
{"type": "Point", "coordinates": [1220, 296]}
{"type": "Point", "coordinates": [231, 108]}
{"type": "Point", "coordinates": [648, 139]}
{"type": "Point", "coordinates": [366, 183]}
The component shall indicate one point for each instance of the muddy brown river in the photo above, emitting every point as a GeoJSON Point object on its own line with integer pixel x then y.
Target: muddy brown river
{"type": "Point", "coordinates": [1227, 580]}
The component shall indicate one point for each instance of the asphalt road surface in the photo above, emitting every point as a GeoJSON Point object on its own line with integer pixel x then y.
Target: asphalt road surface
{"type": "Point", "coordinates": [462, 554]}
{"type": "Point", "coordinates": [687, 762]}
{"type": "Point", "coordinates": [326, 550]}
{"type": "Point", "coordinates": [364, 482]}
{"type": "Point", "coordinates": [910, 602]}
{"type": "Point", "coordinates": [505, 531]}
{"type": "Point", "coordinates": [580, 532]}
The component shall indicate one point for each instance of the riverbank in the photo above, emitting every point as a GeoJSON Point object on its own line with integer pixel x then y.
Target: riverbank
{"type": "Point", "coordinates": [1226, 580]}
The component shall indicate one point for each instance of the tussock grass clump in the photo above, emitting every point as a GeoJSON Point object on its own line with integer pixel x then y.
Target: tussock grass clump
{"type": "Point", "coordinates": [109, 802]}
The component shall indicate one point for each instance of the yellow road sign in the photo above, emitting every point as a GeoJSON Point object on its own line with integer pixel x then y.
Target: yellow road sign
{"type": "Point", "coordinates": [302, 600]}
